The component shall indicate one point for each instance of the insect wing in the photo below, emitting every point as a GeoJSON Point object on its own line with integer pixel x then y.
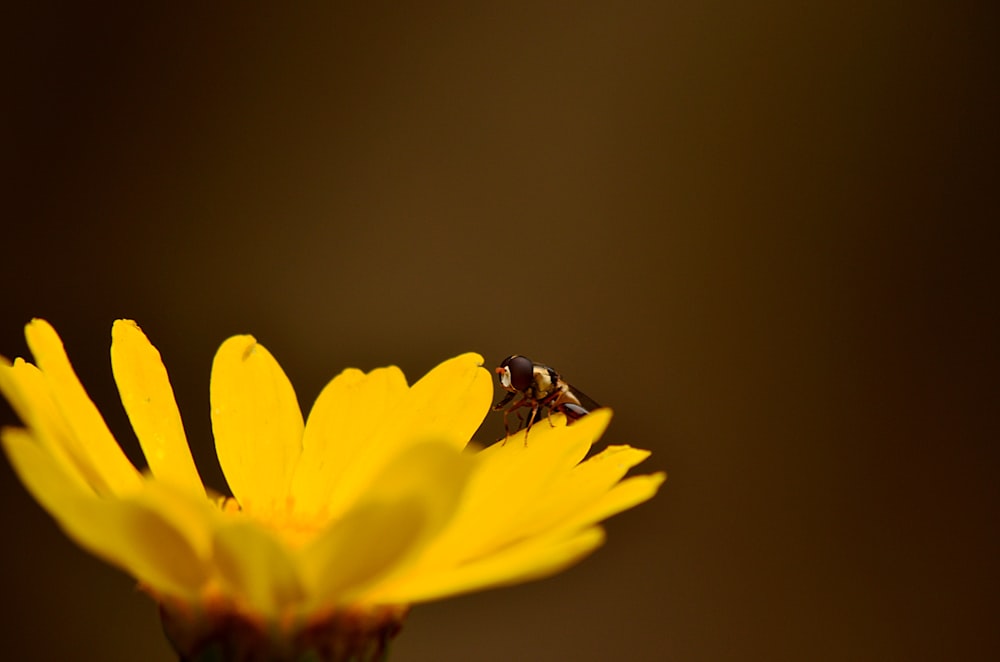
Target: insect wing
{"type": "Point", "coordinates": [586, 401]}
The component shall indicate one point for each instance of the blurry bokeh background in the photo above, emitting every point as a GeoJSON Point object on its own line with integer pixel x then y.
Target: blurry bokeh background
{"type": "Point", "coordinates": [761, 232]}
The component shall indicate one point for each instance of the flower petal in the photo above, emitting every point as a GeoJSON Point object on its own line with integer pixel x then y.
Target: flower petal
{"type": "Point", "coordinates": [407, 504]}
{"type": "Point", "coordinates": [149, 401]}
{"type": "Point", "coordinates": [115, 474]}
{"type": "Point", "coordinates": [256, 568]}
{"type": "Point", "coordinates": [257, 423]}
{"type": "Point", "coordinates": [24, 387]}
{"type": "Point", "coordinates": [340, 425]}
{"type": "Point", "coordinates": [626, 494]}
{"type": "Point", "coordinates": [532, 559]}
{"type": "Point", "coordinates": [446, 405]}
{"type": "Point", "coordinates": [580, 489]}
{"type": "Point", "coordinates": [513, 481]}
{"type": "Point", "coordinates": [133, 534]}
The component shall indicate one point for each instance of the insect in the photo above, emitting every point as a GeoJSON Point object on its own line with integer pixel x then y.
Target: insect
{"type": "Point", "coordinates": [540, 387]}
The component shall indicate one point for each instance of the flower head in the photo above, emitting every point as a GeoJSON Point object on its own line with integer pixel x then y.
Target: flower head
{"type": "Point", "coordinates": [339, 521]}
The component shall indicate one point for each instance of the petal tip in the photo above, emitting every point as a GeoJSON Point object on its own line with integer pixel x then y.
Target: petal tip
{"type": "Point", "coordinates": [125, 330]}
{"type": "Point", "coordinates": [243, 345]}
{"type": "Point", "coordinates": [124, 324]}
{"type": "Point", "coordinates": [472, 357]}
{"type": "Point", "coordinates": [38, 326]}
{"type": "Point", "coordinates": [599, 420]}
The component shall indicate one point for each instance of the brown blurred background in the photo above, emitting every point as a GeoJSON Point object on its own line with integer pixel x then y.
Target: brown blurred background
{"type": "Point", "coordinates": [760, 233]}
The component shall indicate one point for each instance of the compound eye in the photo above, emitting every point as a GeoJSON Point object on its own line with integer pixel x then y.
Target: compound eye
{"type": "Point", "coordinates": [522, 371]}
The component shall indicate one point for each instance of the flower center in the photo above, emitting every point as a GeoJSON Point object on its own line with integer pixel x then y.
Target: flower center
{"type": "Point", "coordinates": [295, 525]}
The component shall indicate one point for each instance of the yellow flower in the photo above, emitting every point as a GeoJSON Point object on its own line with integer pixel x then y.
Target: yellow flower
{"type": "Point", "coordinates": [340, 521]}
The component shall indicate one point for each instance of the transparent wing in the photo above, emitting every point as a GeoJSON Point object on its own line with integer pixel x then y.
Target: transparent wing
{"type": "Point", "coordinates": [588, 402]}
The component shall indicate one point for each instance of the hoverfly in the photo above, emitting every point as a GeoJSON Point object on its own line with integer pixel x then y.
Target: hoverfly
{"type": "Point", "coordinates": [539, 387]}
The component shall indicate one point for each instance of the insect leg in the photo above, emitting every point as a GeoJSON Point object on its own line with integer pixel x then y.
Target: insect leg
{"type": "Point", "coordinates": [503, 403]}
{"type": "Point", "coordinates": [506, 427]}
{"type": "Point", "coordinates": [513, 408]}
{"type": "Point", "coordinates": [552, 402]}
{"type": "Point", "coordinates": [535, 407]}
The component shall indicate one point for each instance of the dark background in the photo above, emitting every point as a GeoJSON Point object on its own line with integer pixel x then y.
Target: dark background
{"type": "Point", "coordinates": [760, 232]}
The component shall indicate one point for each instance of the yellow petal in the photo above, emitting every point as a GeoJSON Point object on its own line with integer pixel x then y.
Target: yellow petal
{"type": "Point", "coordinates": [580, 489]}
{"type": "Point", "coordinates": [256, 568]}
{"type": "Point", "coordinates": [257, 423]}
{"type": "Point", "coordinates": [446, 405]}
{"type": "Point", "coordinates": [114, 472]}
{"type": "Point", "coordinates": [576, 439]}
{"type": "Point", "coordinates": [406, 505]}
{"type": "Point", "coordinates": [626, 494]}
{"type": "Point", "coordinates": [149, 402]}
{"type": "Point", "coordinates": [10, 389]}
{"type": "Point", "coordinates": [513, 481]}
{"type": "Point", "coordinates": [41, 474]}
{"type": "Point", "coordinates": [362, 546]}
{"type": "Point", "coordinates": [24, 387]}
{"type": "Point", "coordinates": [132, 533]}
{"type": "Point", "coordinates": [340, 425]}
{"type": "Point", "coordinates": [532, 559]}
